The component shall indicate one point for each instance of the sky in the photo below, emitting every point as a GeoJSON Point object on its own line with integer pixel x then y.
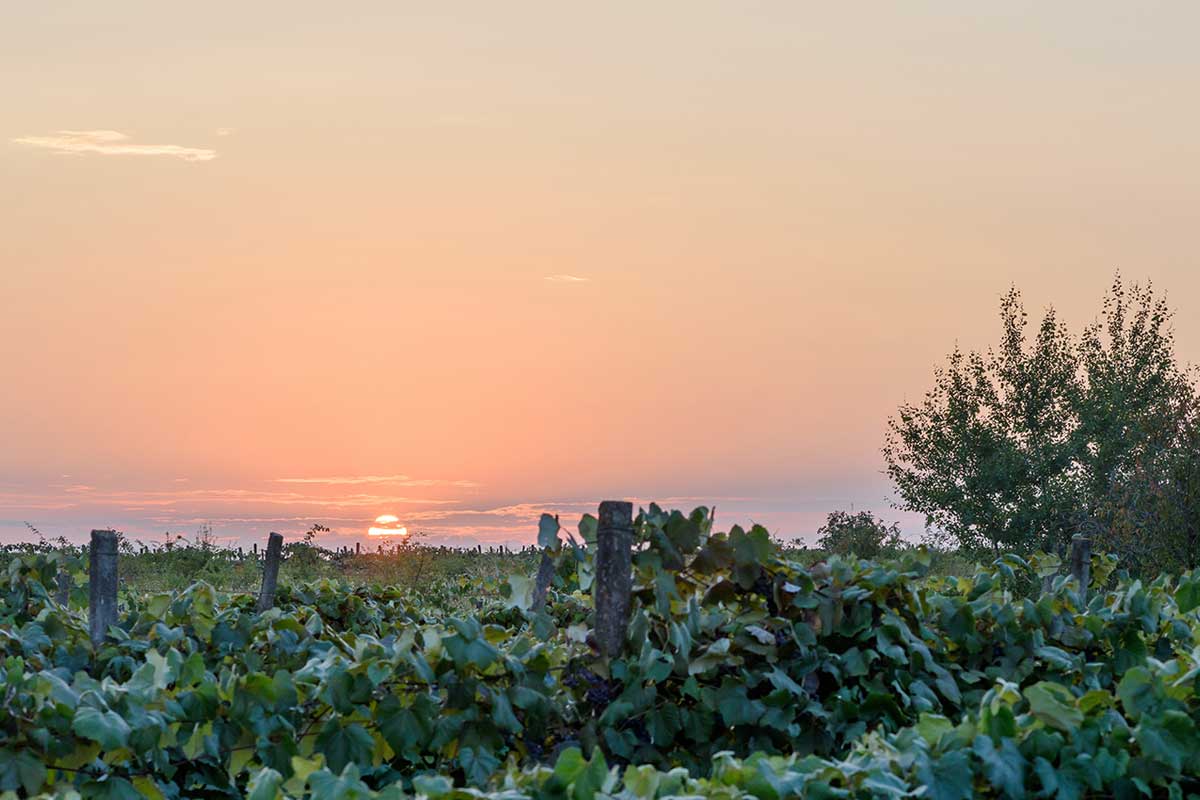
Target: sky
{"type": "Point", "coordinates": [268, 265]}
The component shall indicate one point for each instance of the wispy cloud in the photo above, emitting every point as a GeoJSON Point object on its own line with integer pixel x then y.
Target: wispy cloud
{"type": "Point", "coordinates": [87, 496]}
{"type": "Point", "coordinates": [567, 279]}
{"type": "Point", "coordinates": [111, 143]}
{"type": "Point", "coordinates": [394, 480]}
{"type": "Point", "coordinates": [226, 131]}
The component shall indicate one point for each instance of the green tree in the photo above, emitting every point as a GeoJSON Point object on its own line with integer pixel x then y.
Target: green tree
{"type": "Point", "coordinates": [1151, 516]}
{"type": "Point", "coordinates": [860, 534]}
{"type": "Point", "coordinates": [986, 455]}
{"type": "Point", "coordinates": [1042, 437]}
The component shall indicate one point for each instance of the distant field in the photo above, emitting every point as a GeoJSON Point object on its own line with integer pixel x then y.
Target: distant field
{"type": "Point", "coordinates": [176, 566]}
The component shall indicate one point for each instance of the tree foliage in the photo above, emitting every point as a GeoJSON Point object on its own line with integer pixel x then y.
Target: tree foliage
{"type": "Point", "coordinates": [860, 534]}
{"type": "Point", "coordinates": [1050, 434]}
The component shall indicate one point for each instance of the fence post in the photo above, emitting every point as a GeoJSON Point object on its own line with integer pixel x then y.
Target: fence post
{"type": "Point", "coordinates": [1081, 563]}
{"type": "Point", "coordinates": [358, 548]}
{"type": "Point", "coordinates": [266, 597]}
{"type": "Point", "coordinates": [64, 586]}
{"type": "Point", "coordinates": [102, 585]}
{"type": "Point", "coordinates": [541, 585]}
{"type": "Point", "coordinates": [613, 586]}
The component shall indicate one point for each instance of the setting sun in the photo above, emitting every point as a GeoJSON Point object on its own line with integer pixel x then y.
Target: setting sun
{"type": "Point", "coordinates": [388, 525]}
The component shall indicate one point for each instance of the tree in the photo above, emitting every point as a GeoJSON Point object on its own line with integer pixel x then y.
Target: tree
{"type": "Point", "coordinates": [860, 534]}
{"type": "Point", "coordinates": [1151, 516]}
{"type": "Point", "coordinates": [1022, 446]}
{"type": "Point", "coordinates": [986, 455]}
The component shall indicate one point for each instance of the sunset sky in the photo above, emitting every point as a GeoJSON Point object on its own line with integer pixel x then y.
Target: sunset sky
{"type": "Point", "coordinates": [264, 265]}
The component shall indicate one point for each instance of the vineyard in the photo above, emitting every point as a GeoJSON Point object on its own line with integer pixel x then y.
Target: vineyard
{"type": "Point", "coordinates": [743, 671]}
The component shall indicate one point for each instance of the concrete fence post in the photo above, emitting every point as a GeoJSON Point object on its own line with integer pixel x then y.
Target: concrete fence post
{"type": "Point", "coordinates": [612, 589]}
{"type": "Point", "coordinates": [266, 597]}
{"type": "Point", "coordinates": [541, 584]}
{"type": "Point", "coordinates": [1081, 563]}
{"type": "Point", "coordinates": [102, 585]}
{"type": "Point", "coordinates": [63, 585]}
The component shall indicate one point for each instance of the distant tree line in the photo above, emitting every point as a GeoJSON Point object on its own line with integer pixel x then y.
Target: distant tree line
{"type": "Point", "coordinates": [1050, 434]}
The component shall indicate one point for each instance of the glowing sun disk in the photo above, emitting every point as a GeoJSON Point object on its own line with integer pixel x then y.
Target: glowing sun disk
{"type": "Point", "coordinates": [388, 525]}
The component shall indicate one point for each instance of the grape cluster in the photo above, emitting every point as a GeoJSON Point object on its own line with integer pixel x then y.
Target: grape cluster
{"type": "Point", "coordinates": [600, 691]}
{"type": "Point", "coordinates": [764, 587]}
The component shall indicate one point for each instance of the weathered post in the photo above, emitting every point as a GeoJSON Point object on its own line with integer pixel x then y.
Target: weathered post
{"type": "Point", "coordinates": [64, 585]}
{"type": "Point", "coordinates": [358, 548]}
{"type": "Point", "coordinates": [102, 585]}
{"type": "Point", "coordinates": [266, 597]}
{"type": "Point", "coordinates": [541, 585]}
{"type": "Point", "coordinates": [1081, 563]}
{"type": "Point", "coordinates": [613, 585]}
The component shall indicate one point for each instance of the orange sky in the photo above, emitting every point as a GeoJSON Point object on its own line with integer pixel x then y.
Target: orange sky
{"type": "Point", "coordinates": [467, 263]}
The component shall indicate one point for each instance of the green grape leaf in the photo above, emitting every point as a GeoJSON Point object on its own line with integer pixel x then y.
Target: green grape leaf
{"type": "Point", "coordinates": [107, 728]}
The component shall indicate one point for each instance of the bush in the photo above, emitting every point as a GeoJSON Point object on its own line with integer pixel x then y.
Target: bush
{"type": "Point", "coordinates": [860, 534]}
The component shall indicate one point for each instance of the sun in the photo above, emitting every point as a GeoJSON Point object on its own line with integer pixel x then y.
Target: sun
{"type": "Point", "coordinates": [387, 525]}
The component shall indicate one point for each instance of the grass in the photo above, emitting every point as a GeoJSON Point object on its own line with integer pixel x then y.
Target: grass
{"type": "Point", "coordinates": [178, 563]}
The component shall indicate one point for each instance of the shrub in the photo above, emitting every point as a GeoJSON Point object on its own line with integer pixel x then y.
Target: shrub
{"type": "Point", "coordinates": [860, 534]}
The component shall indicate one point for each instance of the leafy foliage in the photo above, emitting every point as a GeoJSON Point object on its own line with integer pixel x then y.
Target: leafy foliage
{"type": "Point", "coordinates": [1043, 437]}
{"type": "Point", "coordinates": [859, 534]}
{"type": "Point", "coordinates": [746, 673]}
